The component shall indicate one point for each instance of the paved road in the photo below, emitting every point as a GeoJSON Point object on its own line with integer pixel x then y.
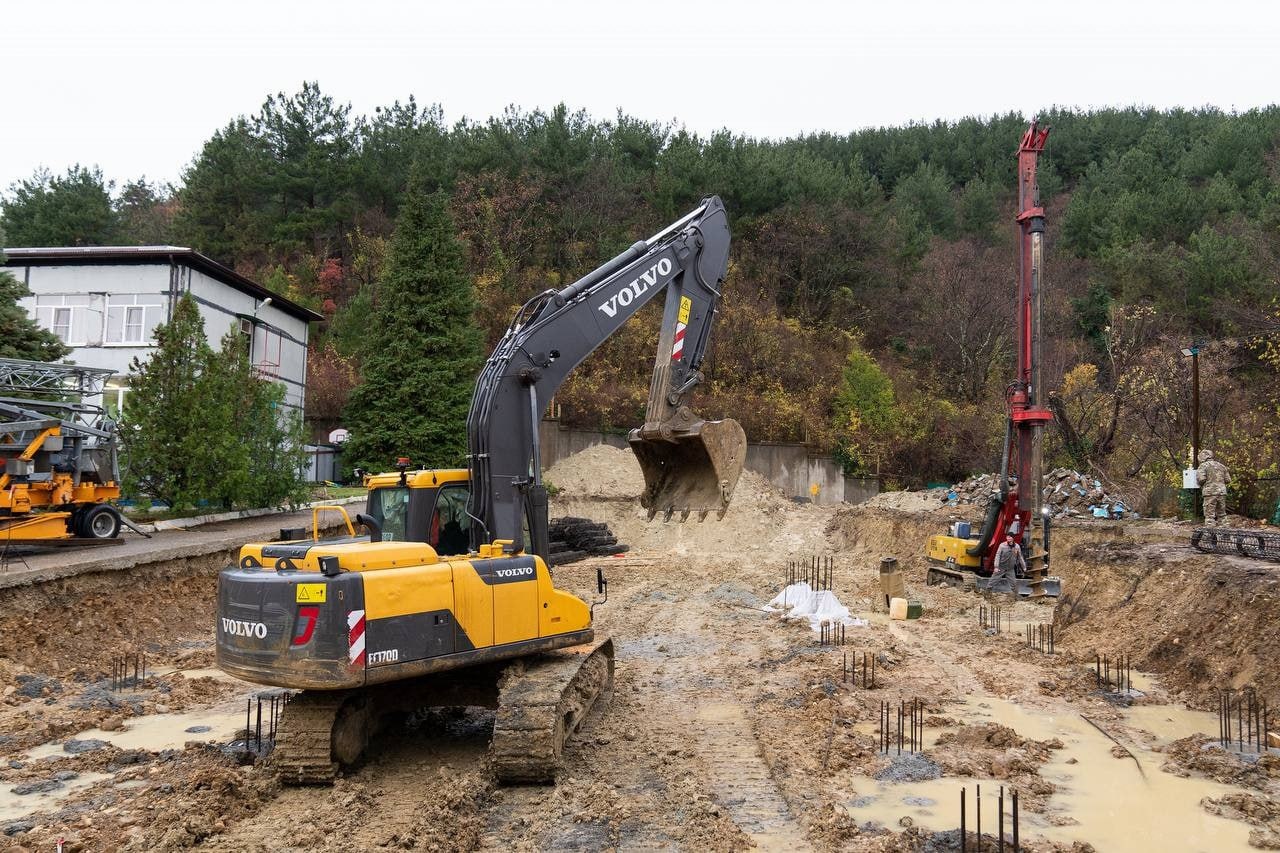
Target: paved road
{"type": "Point", "coordinates": [51, 563]}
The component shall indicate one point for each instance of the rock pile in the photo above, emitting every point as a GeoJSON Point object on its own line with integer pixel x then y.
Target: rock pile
{"type": "Point", "coordinates": [975, 490]}
{"type": "Point", "coordinates": [1067, 494]}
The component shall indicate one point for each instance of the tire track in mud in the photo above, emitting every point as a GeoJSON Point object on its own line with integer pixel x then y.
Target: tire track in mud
{"type": "Point", "coordinates": [740, 777]}
{"type": "Point", "coordinates": [718, 725]}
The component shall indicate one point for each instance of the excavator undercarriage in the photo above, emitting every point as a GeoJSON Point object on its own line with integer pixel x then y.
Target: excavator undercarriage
{"type": "Point", "coordinates": [540, 702]}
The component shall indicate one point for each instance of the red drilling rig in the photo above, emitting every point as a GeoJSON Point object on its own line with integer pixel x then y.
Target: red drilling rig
{"type": "Point", "coordinates": [1014, 508]}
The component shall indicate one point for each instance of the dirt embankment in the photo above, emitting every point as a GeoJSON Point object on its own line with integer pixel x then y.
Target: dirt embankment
{"type": "Point", "coordinates": [83, 622]}
{"type": "Point", "coordinates": [1203, 622]}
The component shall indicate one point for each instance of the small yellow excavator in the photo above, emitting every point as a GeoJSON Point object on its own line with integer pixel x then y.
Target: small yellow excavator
{"type": "Point", "coordinates": [448, 600]}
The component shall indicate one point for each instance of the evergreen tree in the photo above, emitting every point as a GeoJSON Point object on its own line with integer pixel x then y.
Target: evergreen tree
{"type": "Point", "coordinates": [423, 349]}
{"type": "Point", "coordinates": [223, 197]}
{"type": "Point", "coordinates": [20, 337]}
{"type": "Point", "coordinates": [60, 210]}
{"type": "Point", "coordinates": [264, 458]}
{"type": "Point", "coordinates": [146, 213]}
{"type": "Point", "coordinates": [200, 426]}
{"type": "Point", "coordinates": [171, 429]}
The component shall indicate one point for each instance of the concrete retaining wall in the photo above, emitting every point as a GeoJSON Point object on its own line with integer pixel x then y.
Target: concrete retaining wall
{"type": "Point", "coordinates": [791, 467]}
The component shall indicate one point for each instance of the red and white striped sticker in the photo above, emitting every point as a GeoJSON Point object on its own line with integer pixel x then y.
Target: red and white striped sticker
{"type": "Point", "coordinates": [682, 323]}
{"type": "Point", "coordinates": [355, 635]}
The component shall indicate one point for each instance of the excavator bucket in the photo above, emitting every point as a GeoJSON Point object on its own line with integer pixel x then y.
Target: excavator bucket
{"type": "Point", "coordinates": [692, 470]}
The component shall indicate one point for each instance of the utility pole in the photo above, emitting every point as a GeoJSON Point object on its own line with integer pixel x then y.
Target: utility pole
{"type": "Point", "coordinates": [1195, 407]}
{"type": "Point", "coordinates": [1193, 352]}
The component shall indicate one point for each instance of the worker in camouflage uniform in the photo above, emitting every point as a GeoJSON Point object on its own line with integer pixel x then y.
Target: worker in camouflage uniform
{"type": "Point", "coordinates": [1213, 478]}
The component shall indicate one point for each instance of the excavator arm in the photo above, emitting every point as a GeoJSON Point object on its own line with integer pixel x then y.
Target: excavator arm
{"type": "Point", "coordinates": [690, 465]}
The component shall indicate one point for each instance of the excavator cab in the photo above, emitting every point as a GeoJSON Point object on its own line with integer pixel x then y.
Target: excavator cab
{"type": "Point", "coordinates": [690, 469]}
{"type": "Point", "coordinates": [421, 506]}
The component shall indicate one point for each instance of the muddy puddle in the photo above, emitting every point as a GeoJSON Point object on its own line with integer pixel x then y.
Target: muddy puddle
{"type": "Point", "coordinates": [1170, 722]}
{"type": "Point", "coordinates": [1115, 803]}
{"type": "Point", "coordinates": [14, 806]}
{"type": "Point", "coordinates": [192, 674]}
{"type": "Point", "coordinates": [158, 732]}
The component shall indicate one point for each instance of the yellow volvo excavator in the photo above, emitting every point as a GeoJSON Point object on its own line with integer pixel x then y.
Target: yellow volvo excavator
{"type": "Point", "coordinates": [448, 600]}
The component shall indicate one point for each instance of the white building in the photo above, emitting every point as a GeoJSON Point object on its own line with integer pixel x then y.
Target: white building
{"type": "Point", "coordinates": [106, 301]}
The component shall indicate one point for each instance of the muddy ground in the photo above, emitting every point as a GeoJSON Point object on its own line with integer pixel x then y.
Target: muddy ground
{"type": "Point", "coordinates": [728, 728]}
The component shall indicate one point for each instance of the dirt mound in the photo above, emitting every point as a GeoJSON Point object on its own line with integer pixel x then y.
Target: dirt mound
{"type": "Point", "coordinates": [604, 483]}
{"type": "Point", "coordinates": [1252, 809]}
{"type": "Point", "coordinates": [925, 501]}
{"type": "Point", "coordinates": [1199, 755]}
{"type": "Point", "coordinates": [601, 471]}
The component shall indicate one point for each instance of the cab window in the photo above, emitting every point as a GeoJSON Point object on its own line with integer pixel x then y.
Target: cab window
{"type": "Point", "coordinates": [450, 524]}
{"type": "Point", "coordinates": [389, 506]}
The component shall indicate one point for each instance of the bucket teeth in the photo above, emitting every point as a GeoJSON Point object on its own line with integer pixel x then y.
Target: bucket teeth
{"type": "Point", "coordinates": [693, 469]}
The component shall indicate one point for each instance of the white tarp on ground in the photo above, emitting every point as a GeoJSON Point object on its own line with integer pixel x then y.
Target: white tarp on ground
{"type": "Point", "coordinates": [799, 601]}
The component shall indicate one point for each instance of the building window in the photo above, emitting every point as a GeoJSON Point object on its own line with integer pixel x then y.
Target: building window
{"type": "Point", "coordinates": [113, 398]}
{"type": "Point", "coordinates": [267, 349]}
{"type": "Point", "coordinates": [68, 316]}
{"type": "Point", "coordinates": [62, 324]}
{"type": "Point", "coordinates": [132, 317]}
{"type": "Point", "coordinates": [133, 324]}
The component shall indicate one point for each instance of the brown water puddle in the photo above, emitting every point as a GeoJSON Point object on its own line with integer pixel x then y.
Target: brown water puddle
{"type": "Point", "coordinates": [158, 732]}
{"type": "Point", "coordinates": [1115, 806]}
{"type": "Point", "coordinates": [1170, 722]}
{"type": "Point", "coordinates": [14, 806]}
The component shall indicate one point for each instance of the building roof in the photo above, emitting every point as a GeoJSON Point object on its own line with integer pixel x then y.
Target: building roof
{"type": "Point", "coordinates": [86, 255]}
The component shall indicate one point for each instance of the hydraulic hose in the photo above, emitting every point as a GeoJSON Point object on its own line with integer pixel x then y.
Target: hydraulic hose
{"type": "Point", "coordinates": [997, 502]}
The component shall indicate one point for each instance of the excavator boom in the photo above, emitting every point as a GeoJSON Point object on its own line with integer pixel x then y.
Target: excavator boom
{"type": "Point", "coordinates": [690, 465]}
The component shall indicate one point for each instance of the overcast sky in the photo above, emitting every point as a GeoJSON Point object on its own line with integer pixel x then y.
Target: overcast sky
{"type": "Point", "coordinates": [137, 87]}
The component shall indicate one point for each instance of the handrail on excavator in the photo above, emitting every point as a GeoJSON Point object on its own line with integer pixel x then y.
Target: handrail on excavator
{"type": "Point", "coordinates": [315, 519]}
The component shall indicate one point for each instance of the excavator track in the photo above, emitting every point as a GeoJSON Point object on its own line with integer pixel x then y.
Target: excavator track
{"type": "Point", "coordinates": [543, 701]}
{"type": "Point", "coordinates": [303, 752]}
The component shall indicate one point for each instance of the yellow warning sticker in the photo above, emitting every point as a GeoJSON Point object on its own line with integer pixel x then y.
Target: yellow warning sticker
{"type": "Point", "coordinates": [685, 304]}
{"type": "Point", "coordinates": [311, 593]}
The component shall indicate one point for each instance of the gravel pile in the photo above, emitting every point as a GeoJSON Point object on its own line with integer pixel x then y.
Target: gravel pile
{"type": "Point", "coordinates": [911, 767]}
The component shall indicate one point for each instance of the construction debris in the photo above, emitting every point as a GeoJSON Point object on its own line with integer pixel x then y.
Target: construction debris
{"type": "Point", "coordinates": [1067, 494]}
{"type": "Point", "coordinates": [817, 607]}
{"type": "Point", "coordinates": [573, 538]}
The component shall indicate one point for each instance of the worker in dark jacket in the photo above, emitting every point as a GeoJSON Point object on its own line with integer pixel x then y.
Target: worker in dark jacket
{"type": "Point", "coordinates": [1009, 561]}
